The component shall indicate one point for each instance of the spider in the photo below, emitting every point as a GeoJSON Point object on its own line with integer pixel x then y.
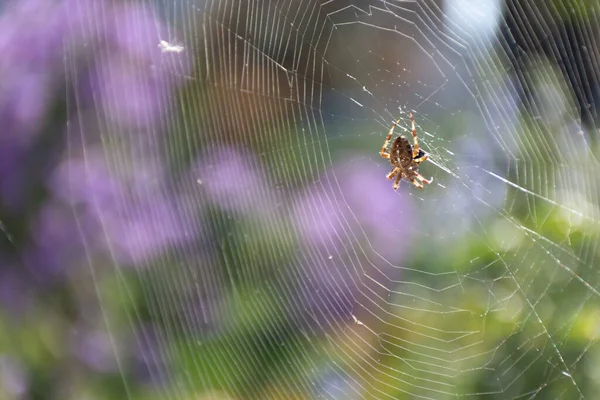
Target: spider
{"type": "Point", "coordinates": [405, 158]}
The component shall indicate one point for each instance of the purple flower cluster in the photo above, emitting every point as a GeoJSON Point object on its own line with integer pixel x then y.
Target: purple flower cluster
{"type": "Point", "coordinates": [352, 204]}
{"type": "Point", "coordinates": [349, 223]}
{"type": "Point", "coordinates": [352, 225]}
{"type": "Point", "coordinates": [110, 51]}
{"type": "Point", "coordinates": [232, 180]}
{"type": "Point", "coordinates": [29, 31]}
{"type": "Point", "coordinates": [133, 219]}
{"type": "Point", "coordinates": [76, 73]}
{"type": "Point", "coordinates": [105, 196]}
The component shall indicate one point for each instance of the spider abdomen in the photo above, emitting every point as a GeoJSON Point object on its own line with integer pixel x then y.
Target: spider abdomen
{"type": "Point", "coordinates": [401, 152]}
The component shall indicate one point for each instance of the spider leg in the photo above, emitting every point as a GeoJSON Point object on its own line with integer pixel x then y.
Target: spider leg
{"type": "Point", "coordinates": [382, 153]}
{"type": "Point", "coordinates": [393, 173]}
{"type": "Point", "coordinates": [397, 181]}
{"type": "Point", "coordinates": [422, 179]}
{"type": "Point", "coordinates": [417, 184]}
{"type": "Point", "coordinates": [414, 134]}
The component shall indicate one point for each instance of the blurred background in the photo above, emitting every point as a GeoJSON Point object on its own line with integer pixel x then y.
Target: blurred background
{"type": "Point", "coordinates": [193, 206]}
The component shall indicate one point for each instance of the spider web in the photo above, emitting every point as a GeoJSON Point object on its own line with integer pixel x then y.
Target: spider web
{"type": "Point", "coordinates": [231, 184]}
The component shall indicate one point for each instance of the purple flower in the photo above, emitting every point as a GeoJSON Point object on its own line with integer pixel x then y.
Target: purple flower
{"type": "Point", "coordinates": [465, 208]}
{"type": "Point", "coordinates": [135, 219]}
{"type": "Point", "coordinates": [132, 83]}
{"type": "Point", "coordinates": [57, 242]}
{"type": "Point", "coordinates": [354, 203]}
{"type": "Point", "coordinates": [144, 228]}
{"type": "Point", "coordinates": [95, 349]}
{"type": "Point", "coordinates": [137, 31]}
{"type": "Point", "coordinates": [353, 224]}
{"type": "Point", "coordinates": [81, 181]}
{"type": "Point", "coordinates": [233, 181]}
{"type": "Point", "coordinates": [127, 95]}
{"type": "Point", "coordinates": [23, 101]}
{"type": "Point", "coordinates": [319, 217]}
{"type": "Point", "coordinates": [31, 46]}
{"type": "Point", "coordinates": [32, 35]}
{"type": "Point", "coordinates": [104, 55]}
{"type": "Point", "coordinates": [112, 53]}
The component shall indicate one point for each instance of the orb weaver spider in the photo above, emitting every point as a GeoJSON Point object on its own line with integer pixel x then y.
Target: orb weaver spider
{"type": "Point", "coordinates": [405, 158]}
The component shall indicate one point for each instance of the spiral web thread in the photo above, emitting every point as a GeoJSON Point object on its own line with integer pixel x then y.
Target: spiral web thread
{"type": "Point", "coordinates": [381, 303]}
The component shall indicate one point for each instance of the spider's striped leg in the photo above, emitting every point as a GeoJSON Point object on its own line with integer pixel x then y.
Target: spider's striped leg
{"type": "Point", "coordinates": [397, 181]}
{"type": "Point", "coordinates": [417, 184]}
{"type": "Point", "coordinates": [393, 173]}
{"type": "Point", "coordinates": [382, 153]}
{"type": "Point", "coordinates": [414, 134]}
{"type": "Point", "coordinates": [422, 179]}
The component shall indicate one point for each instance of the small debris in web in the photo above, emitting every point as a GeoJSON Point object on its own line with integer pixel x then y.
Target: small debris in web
{"type": "Point", "coordinates": [356, 321]}
{"type": "Point", "coordinates": [167, 47]}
